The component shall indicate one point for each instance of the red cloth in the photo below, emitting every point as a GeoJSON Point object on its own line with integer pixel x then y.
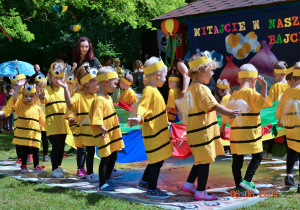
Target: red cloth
{"type": "Point", "coordinates": [181, 147]}
{"type": "Point", "coordinates": [123, 105]}
{"type": "Point", "coordinates": [279, 140]}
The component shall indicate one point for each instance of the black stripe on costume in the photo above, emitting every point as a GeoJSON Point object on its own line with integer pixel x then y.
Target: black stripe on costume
{"type": "Point", "coordinates": [246, 127]}
{"type": "Point", "coordinates": [87, 135]}
{"type": "Point", "coordinates": [72, 125]}
{"type": "Point", "coordinates": [111, 142]}
{"type": "Point", "coordinates": [109, 116]}
{"type": "Point", "coordinates": [172, 113]}
{"type": "Point", "coordinates": [292, 113]}
{"type": "Point", "coordinates": [296, 140]}
{"type": "Point", "coordinates": [55, 102]}
{"type": "Point", "coordinates": [29, 129]}
{"type": "Point", "coordinates": [24, 118]}
{"type": "Point", "coordinates": [17, 137]}
{"type": "Point", "coordinates": [245, 141]}
{"type": "Point", "coordinates": [291, 127]}
{"type": "Point", "coordinates": [82, 113]}
{"type": "Point", "coordinates": [196, 114]}
{"type": "Point", "coordinates": [156, 116]}
{"type": "Point", "coordinates": [249, 114]}
{"type": "Point", "coordinates": [50, 115]}
{"type": "Point", "coordinates": [83, 125]}
{"type": "Point", "coordinates": [158, 148]}
{"type": "Point", "coordinates": [203, 128]}
{"type": "Point", "coordinates": [159, 132]}
{"type": "Point", "coordinates": [205, 143]}
{"type": "Point", "coordinates": [107, 131]}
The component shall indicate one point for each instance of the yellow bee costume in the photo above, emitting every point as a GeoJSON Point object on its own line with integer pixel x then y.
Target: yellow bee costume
{"type": "Point", "coordinates": [225, 100]}
{"type": "Point", "coordinates": [288, 112]}
{"type": "Point", "coordinates": [245, 137]}
{"type": "Point", "coordinates": [276, 90]}
{"type": "Point", "coordinates": [128, 96]}
{"type": "Point", "coordinates": [81, 105]}
{"type": "Point", "coordinates": [55, 111]}
{"type": "Point", "coordinates": [202, 127]}
{"type": "Point", "coordinates": [174, 94]}
{"type": "Point", "coordinates": [156, 133]}
{"type": "Point", "coordinates": [102, 112]}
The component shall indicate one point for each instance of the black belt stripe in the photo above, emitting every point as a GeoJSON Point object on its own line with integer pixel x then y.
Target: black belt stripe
{"type": "Point", "coordinates": [24, 118]}
{"type": "Point", "coordinates": [72, 125]}
{"type": "Point", "coordinates": [82, 113]}
{"type": "Point", "coordinates": [172, 113]}
{"type": "Point", "coordinates": [55, 102]}
{"type": "Point", "coordinates": [156, 116]}
{"type": "Point", "coordinates": [158, 148]}
{"type": "Point", "coordinates": [111, 142]}
{"type": "Point", "coordinates": [29, 129]}
{"type": "Point", "coordinates": [84, 125]}
{"type": "Point", "coordinates": [50, 115]}
{"type": "Point", "coordinates": [17, 137]}
{"type": "Point", "coordinates": [205, 143]}
{"type": "Point", "coordinates": [196, 114]}
{"type": "Point", "coordinates": [291, 127]}
{"type": "Point", "coordinates": [245, 141]}
{"type": "Point", "coordinates": [107, 131]}
{"type": "Point", "coordinates": [293, 140]}
{"type": "Point", "coordinates": [153, 136]}
{"type": "Point", "coordinates": [249, 114]}
{"type": "Point", "coordinates": [109, 116]}
{"type": "Point", "coordinates": [246, 127]}
{"type": "Point", "coordinates": [88, 135]}
{"type": "Point", "coordinates": [203, 128]}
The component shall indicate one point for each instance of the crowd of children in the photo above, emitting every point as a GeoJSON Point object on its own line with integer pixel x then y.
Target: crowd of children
{"type": "Point", "coordinates": [80, 104]}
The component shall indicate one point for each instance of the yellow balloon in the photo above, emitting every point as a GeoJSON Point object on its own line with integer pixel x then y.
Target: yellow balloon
{"type": "Point", "coordinates": [64, 9]}
{"type": "Point", "coordinates": [169, 25]}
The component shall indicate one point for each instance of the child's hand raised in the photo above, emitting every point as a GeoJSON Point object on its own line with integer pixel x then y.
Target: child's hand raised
{"type": "Point", "coordinates": [134, 121]}
{"type": "Point", "coordinates": [41, 94]}
{"type": "Point", "coordinates": [104, 132]}
{"type": "Point", "coordinates": [11, 92]}
{"type": "Point", "coordinates": [261, 80]}
{"type": "Point", "coordinates": [62, 83]}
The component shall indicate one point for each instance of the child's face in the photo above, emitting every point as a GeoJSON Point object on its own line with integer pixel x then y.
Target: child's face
{"type": "Point", "coordinates": [29, 98]}
{"type": "Point", "coordinates": [173, 84]}
{"type": "Point", "coordinates": [55, 80]}
{"type": "Point", "coordinates": [70, 85]}
{"type": "Point", "coordinates": [40, 87]}
{"type": "Point", "coordinates": [291, 82]}
{"type": "Point", "coordinates": [161, 77]}
{"type": "Point", "coordinates": [117, 64]}
{"type": "Point", "coordinates": [206, 76]}
{"type": "Point", "coordinates": [112, 84]}
{"type": "Point", "coordinates": [20, 82]}
{"type": "Point", "coordinates": [122, 85]}
{"type": "Point", "coordinates": [220, 92]}
{"type": "Point", "coordinates": [93, 86]}
{"type": "Point", "coordinates": [145, 82]}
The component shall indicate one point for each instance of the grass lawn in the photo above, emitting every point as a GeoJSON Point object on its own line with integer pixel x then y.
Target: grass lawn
{"type": "Point", "coordinates": [15, 194]}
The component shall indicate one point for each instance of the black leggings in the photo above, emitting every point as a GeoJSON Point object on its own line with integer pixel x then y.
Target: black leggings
{"type": "Point", "coordinates": [292, 157]}
{"type": "Point", "coordinates": [45, 143]}
{"type": "Point", "coordinates": [58, 146]}
{"type": "Point", "coordinates": [106, 167]}
{"type": "Point", "coordinates": [25, 153]}
{"type": "Point", "coordinates": [86, 154]}
{"type": "Point", "coordinates": [19, 150]}
{"type": "Point", "coordinates": [237, 165]}
{"type": "Point", "coordinates": [151, 174]}
{"type": "Point", "coordinates": [201, 171]}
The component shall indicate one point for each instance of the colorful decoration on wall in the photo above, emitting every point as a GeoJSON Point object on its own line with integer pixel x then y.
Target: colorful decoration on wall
{"type": "Point", "coordinates": [75, 28]}
{"type": "Point", "coordinates": [230, 72]}
{"type": "Point", "coordinates": [240, 46]}
{"type": "Point", "coordinates": [170, 27]}
{"type": "Point", "coordinates": [60, 9]}
{"type": "Point", "coordinates": [217, 57]}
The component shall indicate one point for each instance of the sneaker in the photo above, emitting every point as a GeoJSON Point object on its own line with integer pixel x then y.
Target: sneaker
{"type": "Point", "coordinates": [24, 169]}
{"type": "Point", "coordinates": [80, 173]}
{"type": "Point", "coordinates": [39, 169]}
{"type": "Point", "coordinates": [227, 152]}
{"type": "Point", "coordinates": [62, 170]}
{"type": "Point", "coordinates": [189, 187]}
{"type": "Point", "coordinates": [298, 191]}
{"type": "Point", "coordinates": [240, 189]}
{"type": "Point", "coordinates": [111, 183]}
{"type": "Point", "coordinates": [19, 161]}
{"type": "Point", "coordinates": [205, 196]}
{"type": "Point", "coordinates": [30, 158]}
{"type": "Point", "coordinates": [92, 178]}
{"type": "Point", "coordinates": [46, 158]}
{"type": "Point", "coordinates": [116, 173]}
{"type": "Point", "coordinates": [284, 157]}
{"type": "Point", "coordinates": [249, 186]}
{"type": "Point", "coordinates": [267, 156]}
{"type": "Point", "coordinates": [157, 193]}
{"type": "Point", "coordinates": [57, 173]}
{"type": "Point", "coordinates": [142, 185]}
{"type": "Point", "coordinates": [289, 181]}
{"type": "Point", "coordinates": [106, 187]}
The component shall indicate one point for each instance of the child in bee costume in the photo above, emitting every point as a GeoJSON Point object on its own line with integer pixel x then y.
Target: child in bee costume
{"type": "Point", "coordinates": [174, 94]}
{"type": "Point", "coordinates": [245, 133]}
{"type": "Point", "coordinates": [288, 113]}
{"type": "Point", "coordinates": [27, 133]}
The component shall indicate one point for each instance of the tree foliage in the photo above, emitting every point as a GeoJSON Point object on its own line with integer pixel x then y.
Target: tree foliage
{"type": "Point", "coordinates": [117, 22]}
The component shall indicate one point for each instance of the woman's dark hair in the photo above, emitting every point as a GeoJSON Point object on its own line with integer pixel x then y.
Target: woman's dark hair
{"type": "Point", "coordinates": [76, 51]}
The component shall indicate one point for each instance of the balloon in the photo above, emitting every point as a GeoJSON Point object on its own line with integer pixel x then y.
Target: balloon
{"type": "Point", "coordinates": [170, 26]}
{"type": "Point", "coordinates": [60, 9]}
{"type": "Point", "coordinates": [75, 28]}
